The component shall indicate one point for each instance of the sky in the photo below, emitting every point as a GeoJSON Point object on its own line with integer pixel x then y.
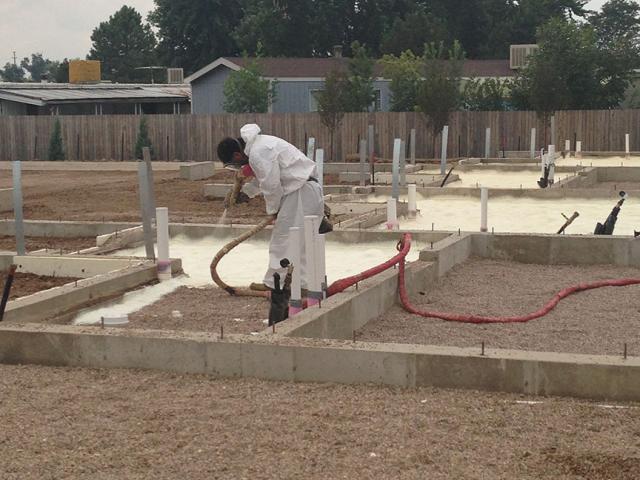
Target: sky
{"type": "Point", "coordinates": [62, 28]}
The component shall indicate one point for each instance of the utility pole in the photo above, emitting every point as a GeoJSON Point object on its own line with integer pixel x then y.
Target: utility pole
{"type": "Point", "coordinates": [14, 59]}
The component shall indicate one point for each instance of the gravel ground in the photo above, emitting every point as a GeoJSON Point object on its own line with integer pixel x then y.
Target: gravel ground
{"type": "Point", "coordinates": [114, 424]}
{"type": "Point", "coordinates": [113, 196]}
{"type": "Point", "coordinates": [595, 322]}
{"type": "Point", "coordinates": [27, 283]}
{"type": "Point", "coordinates": [51, 243]}
{"type": "Point", "coordinates": [203, 310]}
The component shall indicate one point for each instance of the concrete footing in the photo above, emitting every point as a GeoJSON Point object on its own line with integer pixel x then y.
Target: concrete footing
{"type": "Point", "coordinates": [197, 171]}
{"type": "Point", "coordinates": [6, 199]}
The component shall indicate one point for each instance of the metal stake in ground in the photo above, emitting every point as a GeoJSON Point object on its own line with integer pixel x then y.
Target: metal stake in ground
{"type": "Point", "coordinates": [412, 146]}
{"type": "Point", "coordinates": [395, 180]}
{"type": "Point", "coordinates": [7, 290]}
{"type": "Point", "coordinates": [17, 207]}
{"type": "Point", "coordinates": [445, 142]}
{"type": "Point", "coordinates": [151, 204]}
{"type": "Point", "coordinates": [143, 186]}
{"type": "Point", "coordinates": [363, 161]}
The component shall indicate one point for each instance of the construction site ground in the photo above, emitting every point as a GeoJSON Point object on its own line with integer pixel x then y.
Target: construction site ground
{"type": "Point", "coordinates": [81, 423]}
{"type": "Point", "coordinates": [27, 283]}
{"type": "Point", "coordinates": [595, 322]}
{"type": "Point", "coordinates": [54, 244]}
{"type": "Point", "coordinates": [203, 310]}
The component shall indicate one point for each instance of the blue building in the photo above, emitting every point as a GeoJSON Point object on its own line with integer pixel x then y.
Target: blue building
{"type": "Point", "coordinates": [298, 78]}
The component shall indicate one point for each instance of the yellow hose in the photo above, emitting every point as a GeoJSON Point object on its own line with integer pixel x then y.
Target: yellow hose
{"type": "Point", "coordinates": [241, 292]}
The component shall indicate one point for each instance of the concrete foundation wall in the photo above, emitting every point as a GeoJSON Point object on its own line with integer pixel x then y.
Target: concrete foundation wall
{"type": "Point", "coordinates": [80, 267]}
{"type": "Point", "coordinates": [197, 171]}
{"type": "Point", "coordinates": [582, 376]}
{"type": "Point", "coordinates": [48, 228]}
{"type": "Point", "coordinates": [6, 199]}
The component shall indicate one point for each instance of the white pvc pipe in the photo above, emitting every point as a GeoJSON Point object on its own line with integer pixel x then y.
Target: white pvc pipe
{"type": "Point", "coordinates": [395, 175]}
{"type": "Point", "coordinates": [487, 143]}
{"type": "Point", "coordinates": [413, 208]}
{"type": "Point", "coordinates": [311, 148]}
{"type": "Point", "coordinates": [392, 214]}
{"type": "Point", "coordinates": [311, 275]}
{"type": "Point", "coordinates": [552, 163]}
{"type": "Point", "coordinates": [403, 164]}
{"type": "Point", "coordinates": [363, 163]}
{"type": "Point", "coordinates": [579, 149]}
{"type": "Point", "coordinates": [443, 157]}
{"type": "Point", "coordinates": [533, 143]}
{"type": "Point", "coordinates": [627, 149]}
{"type": "Point", "coordinates": [293, 253]}
{"type": "Point", "coordinates": [320, 165]}
{"type": "Point", "coordinates": [484, 207]}
{"type": "Point", "coordinates": [412, 146]}
{"type": "Point", "coordinates": [17, 207]}
{"type": "Point", "coordinates": [567, 146]}
{"type": "Point", "coordinates": [162, 235]}
{"type": "Point", "coordinates": [321, 263]}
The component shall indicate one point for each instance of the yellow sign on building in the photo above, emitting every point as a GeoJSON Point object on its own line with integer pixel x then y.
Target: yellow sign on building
{"type": "Point", "coordinates": [84, 71]}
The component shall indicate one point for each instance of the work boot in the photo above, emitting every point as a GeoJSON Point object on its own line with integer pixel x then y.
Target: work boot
{"type": "Point", "coordinates": [325, 226]}
{"type": "Point", "coordinates": [280, 297]}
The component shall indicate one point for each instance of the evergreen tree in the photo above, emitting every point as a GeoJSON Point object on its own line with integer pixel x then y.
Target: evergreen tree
{"type": "Point", "coordinates": [143, 139]}
{"type": "Point", "coordinates": [122, 44]}
{"type": "Point", "coordinates": [56, 148]}
{"type": "Point", "coordinates": [439, 93]}
{"type": "Point", "coordinates": [39, 67]}
{"type": "Point", "coordinates": [245, 91]}
{"type": "Point", "coordinates": [331, 103]}
{"type": "Point", "coordinates": [360, 91]}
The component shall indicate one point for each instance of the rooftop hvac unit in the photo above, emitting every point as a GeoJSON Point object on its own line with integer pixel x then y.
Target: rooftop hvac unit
{"type": "Point", "coordinates": [175, 75]}
{"type": "Point", "coordinates": [518, 55]}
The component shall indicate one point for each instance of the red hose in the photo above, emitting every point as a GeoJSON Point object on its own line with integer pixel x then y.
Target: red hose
{"type": "Point", "coordinates": [404, 245]}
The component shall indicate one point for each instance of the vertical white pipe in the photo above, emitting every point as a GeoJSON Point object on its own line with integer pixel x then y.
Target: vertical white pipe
{"type": "Point", "coordinates": [443, 157]}
{"type": "Point", "coordinates": [579, 149]}
{"type": "Point", "coordinates": [320, 165]}
{"type": "Point", "coordinates": [484, 207]}
{"type": "Point", "coordinates": [412, 146]}
{"type": "Point", "coordinates": [363, 163]}
{"type": "Point", "coordinates": [543, 161]}
{"type": "Point", "coordinates": [487, 143]}
{"type": "Point", "coordinates": [395, 178]}
{"type": "Point", "coordinates": [413, 208]}
{"type": "Point", "coordinates": [311, 148]}
{"type": "Point", "coordinates": [553, 130]}
{"type": "Point", "coordinates": [552, 163]}
{"type": "Point", "coordinates": [311, 275]}
{"type": "Point", "coordinates": [321, 263]}
{"type": "Point", "coordinates": [371, 139]}
{"type": "Point", "coordinates": [403, 164]}
{"type": "Point", "coordinates": [533, 143]}
{"type": "Point", "coordinates": [567, 146]}
{"type": "Point", "coordinates": [17, 207]}
{"type": "Point", "coordinates": [162, 235]}
{"type": "Point", "coordinates": [392, 214]}
{"type": "Point", "coordinates": [627, 149]}
{"type": "Point", "coordinates": [295, 242]}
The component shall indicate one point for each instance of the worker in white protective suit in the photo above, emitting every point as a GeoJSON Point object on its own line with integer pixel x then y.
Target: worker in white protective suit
{"type": "Point", "coordinates": [288, 181]}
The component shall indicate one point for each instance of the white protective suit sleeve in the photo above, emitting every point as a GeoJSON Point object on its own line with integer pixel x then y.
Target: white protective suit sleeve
{"type": "Point", "coordinates": [264, 163]}
{"type": "Point", "coordinates": [252, 188]}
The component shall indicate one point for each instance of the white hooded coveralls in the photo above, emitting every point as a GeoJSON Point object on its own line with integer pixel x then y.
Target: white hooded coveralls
{"type": "Point", "coordinates": [282, 175]}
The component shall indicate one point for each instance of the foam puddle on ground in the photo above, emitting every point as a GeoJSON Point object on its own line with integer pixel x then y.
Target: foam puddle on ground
{"type": "Point", "coordinates": [494, 178]}
{"type": "Point", "coordinates": [521, 215]}
{"type": "Point", "coordinates": [245, 264]}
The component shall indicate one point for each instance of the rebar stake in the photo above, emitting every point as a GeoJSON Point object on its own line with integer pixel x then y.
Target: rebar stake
{"type": "Point", "coordinates": [221, 332]}
{"type": "Point", "coordinates": [273, 328]}
{"type": "Point", "coordinates": [482, 351]}
{"type": "Point", "coordinates": [625, 352]}
{"type": "Point", "coordinates": [354, 336]}
{"type": "Point", "coordinates": [102, 322]}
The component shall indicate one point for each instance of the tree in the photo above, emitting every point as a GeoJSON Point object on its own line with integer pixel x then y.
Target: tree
{"type": "Point", "coordinates": [331, 103]}
{"type": "Point", "coordinates": [193, 33]}
{"type": "Point", "coordinates": [39, 67]}
{"type": "Point", "coordinates": [617, 24]}
{"type": "Point", "coordinates": [439, 93]}
{"type": "Point", "coordinates": [361, 93]}
{"type": "Point", "coordinates": [570, 71]}
{"type": "Point", "coordinates": [122, 44]}
{"type": "Point", "coordinates": [12, 73]}
{"type": "Point", "coordinates": [56, 147]}
{"type": "Point", "coordinates": [412, 32]}
{"type": "Point", "coordinates": [60, 74]}
{"type": "Point", "coordinates": [405, 73]}
{"type": "Point", "coordinates": [143, 139]}
{"type": "Point", "coordinates": [245, 91]}
{"type": "Point", "coordinates": [486, 95]}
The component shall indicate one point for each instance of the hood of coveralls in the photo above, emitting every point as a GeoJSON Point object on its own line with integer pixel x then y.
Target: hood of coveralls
{"type": "Point", "coordinates": [249, 133]}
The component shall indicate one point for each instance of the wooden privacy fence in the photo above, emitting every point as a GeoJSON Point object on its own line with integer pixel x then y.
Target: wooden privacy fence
{"type": "Point", "coordinates": [194, 137]}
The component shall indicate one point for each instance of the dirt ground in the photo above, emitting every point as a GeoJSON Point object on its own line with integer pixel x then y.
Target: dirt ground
{"type": "Point", "coordinates": [114, 196]}
{"type": "Point", "coordinates": [203, 310]}
{"type": "Point", "coordinates": [114, 424]}
{"type": "Point", "coordinates": [50, 243]}
{"type": "Point", "coordinates": [594, 322]}
{"type": "Point", "coordinates": [27, 283]}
